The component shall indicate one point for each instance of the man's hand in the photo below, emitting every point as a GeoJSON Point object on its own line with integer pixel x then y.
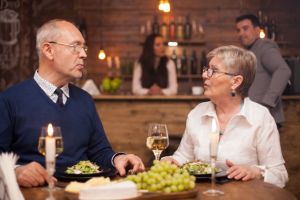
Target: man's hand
{"type": "Point", "coordinates": [155, 90]}
{"type": "Point", "coordinates": [170, 159]}
{"type": "Point", "coordinates": [123, 162]}
{"type": "Point", "coordinates": [243, 172]}
{"type": "Point", "coordinates": [32, 174]}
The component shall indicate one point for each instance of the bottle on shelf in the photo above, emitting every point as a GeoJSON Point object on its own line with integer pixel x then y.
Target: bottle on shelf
{"type": "Point", "coordinates": [203, 61]}
{"type": "Point", "coordinates": [184, 63]}
{"type": "Point", "coordinates": [174, 58]}
{"type": "Point", "coordinates": [194, 63]}
{"type": "Point", "coordinates": [155, 25]}
{"type": "Point", "coordinates": [266, 26]}
{"type": "Point", "coordinates": [179, 29]}
{"type": "Point", "coordinates": [187, 28]}
{"type": "Point", "coordinates": [172, 29]}
{"type": "Point", "coordinates": [164, 30]}
{"type": "Point", "coordinates": [273, 30]}
{"type": "Point", "coordinates": [178, 66]}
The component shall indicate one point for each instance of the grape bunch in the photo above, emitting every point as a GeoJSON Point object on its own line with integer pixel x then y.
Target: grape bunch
{"type": "Point", "coordinates": [164, 177]}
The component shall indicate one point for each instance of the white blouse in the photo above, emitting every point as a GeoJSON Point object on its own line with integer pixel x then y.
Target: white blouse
{"type": "Point", "coordinates": [250, 138]}
{"type": "Point", "coordinates": [171, 89]}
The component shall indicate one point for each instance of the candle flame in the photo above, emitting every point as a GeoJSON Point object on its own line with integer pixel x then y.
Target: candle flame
{"type": "Point", "coordinates": [50, 130]}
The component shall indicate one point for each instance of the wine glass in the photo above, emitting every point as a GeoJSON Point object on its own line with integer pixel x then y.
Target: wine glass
{"type": "Point", "coordinates": [213, 147]}
{"type": "Point", "coordinates": [50, 145]}
{"type": "Point", "coordinates": [158, 139]}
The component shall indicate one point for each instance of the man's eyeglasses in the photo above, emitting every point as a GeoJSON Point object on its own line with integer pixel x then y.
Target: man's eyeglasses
{"type": "Point", "coordinates": [76, 48]}
{"type": "Point", "coordinates": [211, 72]}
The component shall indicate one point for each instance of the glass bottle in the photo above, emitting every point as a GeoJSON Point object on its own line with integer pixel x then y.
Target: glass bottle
{"type": "Point", "coordinates": [179, 29]}
{"type": "Point", "coordinates": [194, 63]}
{"type": "Point", "coordinates": [172, 29]}
{"type": "Point", "coordinates": [184, 63]}
{"type": "Point", "coordinates": [155, 25]}
{"type": "Point", "coordinates": [187, 28]}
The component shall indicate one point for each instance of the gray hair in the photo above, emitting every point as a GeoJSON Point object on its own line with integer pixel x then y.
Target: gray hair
{"type": "Point", "coordinates": [237, 61]}
{"type": "Point", "coordinates": [47, 32]}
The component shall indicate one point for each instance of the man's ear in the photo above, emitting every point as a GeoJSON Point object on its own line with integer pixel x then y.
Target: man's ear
{"type": "Point", "coordinates": [47, 51]}
{"type": "Point", "coordinates": [236, 81]}
{"type": "Point", "coordinates": [257, 30]}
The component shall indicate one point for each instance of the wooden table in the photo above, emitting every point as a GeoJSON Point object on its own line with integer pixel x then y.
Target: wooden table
{"type": "Point", "coordinates": [236, 190]}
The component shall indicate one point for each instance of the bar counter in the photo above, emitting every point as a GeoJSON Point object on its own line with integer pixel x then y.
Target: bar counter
{"type": "Point", "coordinates": [126, 118]}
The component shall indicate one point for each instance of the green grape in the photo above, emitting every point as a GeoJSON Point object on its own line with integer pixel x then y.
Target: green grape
{"type": "Point", "coordinates": [164, 177]}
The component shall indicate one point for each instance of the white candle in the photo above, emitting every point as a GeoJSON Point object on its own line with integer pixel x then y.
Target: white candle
{"type": "Point", "coordinates": [50, 145]}
{"type": "Point", "coordinates": [214, 139]}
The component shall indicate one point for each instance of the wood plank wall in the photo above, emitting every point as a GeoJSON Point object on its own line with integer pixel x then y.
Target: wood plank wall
{"type": "Point", "coordinates": [119, 22]}
{"type": "Point", "coordinates": [116, 24]}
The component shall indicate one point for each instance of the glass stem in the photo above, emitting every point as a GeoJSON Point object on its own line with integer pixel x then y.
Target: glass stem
{"type": "Point", "coordinates": [156, 154]}
{"type": "Point", "coordinates": [213, 178]}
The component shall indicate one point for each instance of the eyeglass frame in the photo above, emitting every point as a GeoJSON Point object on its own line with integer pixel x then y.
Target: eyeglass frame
{"type": "Point", "coordinates": [211, 72]}
{"type": "Point", "coordinates": [75, 46]}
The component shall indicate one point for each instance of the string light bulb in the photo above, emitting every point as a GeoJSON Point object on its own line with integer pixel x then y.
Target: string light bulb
{"type": "Point", "coordinates": [164, 5]}
{"type": "Point", "coordinates": [262, 33]}
{"type": "Point", "coordinates": [101, 54]}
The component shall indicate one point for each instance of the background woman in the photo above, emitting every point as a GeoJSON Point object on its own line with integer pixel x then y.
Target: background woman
{"type": "Point", "coordinates": [154, 73]}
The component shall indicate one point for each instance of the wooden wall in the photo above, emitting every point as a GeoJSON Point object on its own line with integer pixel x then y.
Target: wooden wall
{"type": "Point", "coordinates": [119, 23]}
{"type": "Point", "coordinates": [116, 24]}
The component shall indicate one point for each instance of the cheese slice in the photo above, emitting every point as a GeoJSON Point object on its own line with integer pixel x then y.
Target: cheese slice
{"type": "Point", "coordinates": [113, 191]}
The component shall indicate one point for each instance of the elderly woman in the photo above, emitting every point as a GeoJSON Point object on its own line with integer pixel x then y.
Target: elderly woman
{"type": "Point", "coordinates": [249, 143]}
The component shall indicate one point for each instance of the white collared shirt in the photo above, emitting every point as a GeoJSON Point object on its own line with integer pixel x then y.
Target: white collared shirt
{"type": "Point", "coordinates": [250, 138]}
{"type": "Point", "coordinates": [49, 88]}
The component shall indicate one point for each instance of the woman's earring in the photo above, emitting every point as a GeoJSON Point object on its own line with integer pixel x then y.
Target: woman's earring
{"type": "Point", "coordinates": [233, 93]}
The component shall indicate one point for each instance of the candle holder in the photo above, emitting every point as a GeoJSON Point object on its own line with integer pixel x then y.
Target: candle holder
{"type": "Point", "coordinates": [50, 145]}
{"type": "Point", "coordinates": [213, 147]}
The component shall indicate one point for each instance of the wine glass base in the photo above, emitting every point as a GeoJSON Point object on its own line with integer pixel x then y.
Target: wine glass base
{"type": "Point", "coordinates": [213, 192]}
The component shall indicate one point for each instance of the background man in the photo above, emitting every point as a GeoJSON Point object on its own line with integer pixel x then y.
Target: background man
{"type": "Point", "coordinates": [272, 73]}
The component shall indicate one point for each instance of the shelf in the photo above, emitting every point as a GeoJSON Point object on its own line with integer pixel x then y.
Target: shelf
{"type": "Point", "coordinates": [184, 42]}
{"type": "Point", "coordinates": [193, 76]}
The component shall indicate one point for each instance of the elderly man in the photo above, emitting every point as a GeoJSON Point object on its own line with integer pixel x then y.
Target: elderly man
{"type": "Point", "coordinates": [50, 97]}
{"type": "Point", "coordinates": [272, 73]}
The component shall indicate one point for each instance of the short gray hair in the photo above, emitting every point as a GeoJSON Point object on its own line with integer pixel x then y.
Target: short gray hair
{"type": "Point", "coordinates": [237, 61]}
{"type": "Point", "coordinates": [47, 32]}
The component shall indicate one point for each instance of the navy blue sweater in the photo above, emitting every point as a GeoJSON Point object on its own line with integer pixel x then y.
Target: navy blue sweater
{"type": "Point", "coordinates": [25, 109]}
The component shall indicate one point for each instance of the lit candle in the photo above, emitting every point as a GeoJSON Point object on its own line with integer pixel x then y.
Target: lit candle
{"type": "Point", "coordinates": [214, 139]}
{"type": "Point", "coordinates": [50, 145]}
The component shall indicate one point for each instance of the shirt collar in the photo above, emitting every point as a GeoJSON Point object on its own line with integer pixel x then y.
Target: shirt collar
{"type": "Point", "coordinates": [243, 114]}
{"type": "Point", "coordinates": [48, 87]}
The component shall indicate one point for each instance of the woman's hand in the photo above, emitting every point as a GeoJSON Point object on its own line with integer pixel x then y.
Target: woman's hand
{"type": "Point", "coordinates": [242, 172]}
{"type": "Point", "coordinates": [155, 90]}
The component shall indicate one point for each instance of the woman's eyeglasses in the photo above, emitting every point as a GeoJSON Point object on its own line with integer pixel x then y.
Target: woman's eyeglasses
{"type": "Point", "coordinates": [210, 72]}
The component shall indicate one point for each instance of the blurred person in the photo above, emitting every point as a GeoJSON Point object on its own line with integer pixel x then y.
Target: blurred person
{"type": "Point", "coordinates": [249, 145]}
{"type": "Point", "coordinates": [154, 73]}
{"type": "Point", "coordinates": [50, 97]}
{"type": "Point", "coordinates": [272, 73]}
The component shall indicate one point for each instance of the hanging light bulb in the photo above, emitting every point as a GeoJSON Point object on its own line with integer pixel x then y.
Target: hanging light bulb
{"type": "Point", "coordinates": [164, 6]}
{"type": "Point", "coordinates": [101, 54]}
{"type": "Point", "coordinates": [262, 33]}
{"type": "Point", "coordinates": [167, 7]}
{"type": "Point", "coordinates": [161, 5]}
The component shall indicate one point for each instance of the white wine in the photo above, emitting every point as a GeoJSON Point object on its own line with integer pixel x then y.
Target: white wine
{"type": "Point", "coordinates": [58, 143]}
{"type": "Point", "coordinates": [159, 143]}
